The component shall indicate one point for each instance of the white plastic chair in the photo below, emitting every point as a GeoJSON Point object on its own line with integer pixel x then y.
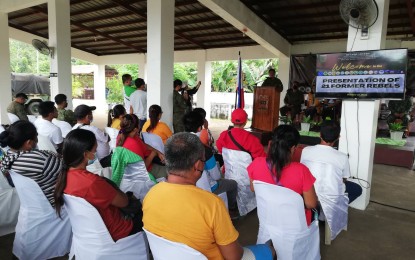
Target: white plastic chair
{"type": "Point", "coordinates": [63, 125]}
{"type": "Point", "coordinates": [136, 180]}
{"type": "Point", "coordinates": [282, 219]}
{"type": "Point", "coordinates": [204, 184]}
{"type": "Point", "coordinates": [164, 249]}
{"type": "Point", "coordinates": [91, 239]}
{"type": "Point", "coordinates": [236, 163]}
{"type": "Point", "coordinates": [154, 141]}
{"type": "Point", "coordinates": [9, 207]}
{"type": "Point", "coordinates": [12, 118]}
{"type": "Point", "coordinates": [113, 133]}
{"type": "Point", "coordinates": [40, 233]}
{"type": "Point", "coordinates": [330, 192]}
{"type": "Point", "coordinates": [44, 143]}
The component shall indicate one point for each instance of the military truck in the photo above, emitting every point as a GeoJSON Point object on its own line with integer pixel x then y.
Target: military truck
{"type": "Point", "coordinates": [36, 87]}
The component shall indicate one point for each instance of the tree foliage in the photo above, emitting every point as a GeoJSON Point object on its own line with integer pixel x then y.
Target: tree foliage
{"type": "Point", "coordinates": [224, 74]}
{"type": "Point", "coordinates": [26, 59]}
{"type": "Point", "coordinates": [186, 72]}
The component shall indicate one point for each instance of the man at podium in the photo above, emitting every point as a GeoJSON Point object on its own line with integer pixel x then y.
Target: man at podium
{"type": "Point", "coordinates": [273, 81]}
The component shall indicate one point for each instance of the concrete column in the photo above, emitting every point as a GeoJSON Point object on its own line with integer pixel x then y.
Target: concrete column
{"type": "Point", "coordinates": [284, 75]}
{"type": "Point", "coordinates": [359, 119]}
{"type": "Point", "coordinates": [60, 39]}
{"type": "Point", "coordinates": [5, 79]}
{"type": "Point", "coordinates": [99, 88]}
{"type": "Point", "coordinates": [204, 74]}
{"type": "Point", "coordinates": [142, 67]}
{"type": "Point", "coordinates": [160, 49]}
{"type": "Point", "coordinates": [207, 88]}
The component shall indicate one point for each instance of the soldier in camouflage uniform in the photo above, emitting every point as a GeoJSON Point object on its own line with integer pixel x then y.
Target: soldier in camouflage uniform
{"type": "Point", "coordinates": [64, 114]}
{"type": "Point", "coordinates": [17, 106]}
{"type": "Point", "coordinates": [179, 106]}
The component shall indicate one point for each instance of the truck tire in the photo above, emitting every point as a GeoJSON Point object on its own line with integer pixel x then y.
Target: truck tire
{"type": "Point", "coordinates": [33, 108]}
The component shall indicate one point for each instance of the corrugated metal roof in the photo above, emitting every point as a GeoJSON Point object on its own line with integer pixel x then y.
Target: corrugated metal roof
{"type": "Point", "coordinates": [105, 27]}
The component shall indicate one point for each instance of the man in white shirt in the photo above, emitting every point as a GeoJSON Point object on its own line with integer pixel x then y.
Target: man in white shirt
{"type": "Point", "coordinates": [326, 154]}
{"type": "Point", "coordinates": [138, 101]}
{"type": "Point", "coordinates": [83, 115]}
{"type": "Point", "coordinates": [45, 126]}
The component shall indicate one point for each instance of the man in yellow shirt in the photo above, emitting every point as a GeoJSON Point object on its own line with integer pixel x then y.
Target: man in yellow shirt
{"type": "Point", "coordinates": [179, 211]}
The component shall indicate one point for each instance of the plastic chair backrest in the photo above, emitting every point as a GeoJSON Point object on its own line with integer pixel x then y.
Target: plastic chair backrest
{"type": "Point", "coordinates": [204, 184]}
{"type": "Point", "coordinates": [40, 233]}
{"type": "Point", "coordinates": [164, 249]}
{"type": "Point", "coordinates": [113, 133]}
{"type": "Point", "coordinates": [63, 125]}
{"type": "Point", "coordinates": [9, 207]}
{"type": "Point", "coordinates": [154, 141]}
{"type": "Point", "coordinates": [12, 118]}
{"type": "Point", "coordinates": [282, 218]}
{"type": "Point", "coordinates": [236, 163]}
{"type": "Point", "coordinates": [91, 239]}
{"type": "Point", "coordinates": [330, 191]}
{"type": "Point", "coordinates": [45, 144]}
{"type": "Point", "coordinates": [136, 179]}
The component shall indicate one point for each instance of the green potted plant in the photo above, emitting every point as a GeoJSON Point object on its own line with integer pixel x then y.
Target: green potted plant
{"type": "Point", "coordinates": [396, 131]}
{"type": "Point", "coordinates": [285, 120]}
{"type": "Point", "coordinates": [305, 124]}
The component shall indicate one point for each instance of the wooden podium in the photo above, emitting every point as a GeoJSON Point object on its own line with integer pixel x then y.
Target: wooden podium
{"type": "Point", "coordinates": [265, 113]}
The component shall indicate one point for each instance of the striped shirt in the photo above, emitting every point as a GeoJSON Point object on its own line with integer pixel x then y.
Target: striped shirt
{"type": "Point", "coordinates": [41, 166]}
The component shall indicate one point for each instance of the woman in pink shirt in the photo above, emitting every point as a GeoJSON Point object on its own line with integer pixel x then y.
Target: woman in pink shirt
{"type": "Point", "coordinates": [277, 168]}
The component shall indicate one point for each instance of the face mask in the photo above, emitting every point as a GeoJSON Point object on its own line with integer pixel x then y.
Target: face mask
{"type": "Point", "coordinates": [93, 160]}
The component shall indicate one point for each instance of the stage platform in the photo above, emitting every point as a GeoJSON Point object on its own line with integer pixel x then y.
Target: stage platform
{"type": "Point", "coordinates": [402, 156]}
{"type": "Point", "coordinates": [396, 155]}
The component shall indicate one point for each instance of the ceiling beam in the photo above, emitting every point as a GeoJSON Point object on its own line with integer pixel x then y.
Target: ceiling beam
{"type": "Point", "coordinates": [94, 31]}
{"type": "Point", "coordinates": [244, 19]}
{"type": "Point", "coordinates": [410, 8]}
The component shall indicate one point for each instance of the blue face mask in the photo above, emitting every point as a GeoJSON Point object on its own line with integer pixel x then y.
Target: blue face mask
{"type": "Point", "coordinates": [93, 160]}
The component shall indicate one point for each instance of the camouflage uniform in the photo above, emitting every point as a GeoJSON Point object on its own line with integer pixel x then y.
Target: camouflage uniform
{"type": "Point", "coordinates": [179, 109]}
{"type": "Point", "coordinates": [66, 115]}
{"type": "Point", "coordinates": [18, 109]}
{"type": "Point", "coordinates": [274, 82]}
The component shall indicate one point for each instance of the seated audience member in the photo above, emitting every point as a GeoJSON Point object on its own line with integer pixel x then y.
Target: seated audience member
{"type": "Point", "coordinates": [325, 153]}
{"type": "Point", "coordinates": [17, 106]}
{"type": "Point", "coordinates": [41, 166]}
{"type": "Point", "coordinates": [277, 168]}
{"type": "Point", "coordinates": [293, 100]}
{"type": "Point", "coordinates": [63, 113]}
{"type": "Point", "coordinates": [190, 215]}
{"type": "Point", "coordinates": [45, 126]}
{"type": "Point", "coordinates": [331, 109]}
{"type": "Point", "coordinates": [84, 117]}
{"type": "Point", "coordinates": [155, 126]}
{"type": "Point", "coordinates": [79, 150]}
{"type": "Point", "coordinates": [115, 116]}
{"type": "Point", "coordinates": [314, 106]}
{"type": "Point", "coordinates": [193, 123]}
{"type": "Point", "coordinates": [206, 136]}
{"type": "Point", "coordinates": [129, 139]}
{"type": "Point", "coordinates": [238, 138]}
